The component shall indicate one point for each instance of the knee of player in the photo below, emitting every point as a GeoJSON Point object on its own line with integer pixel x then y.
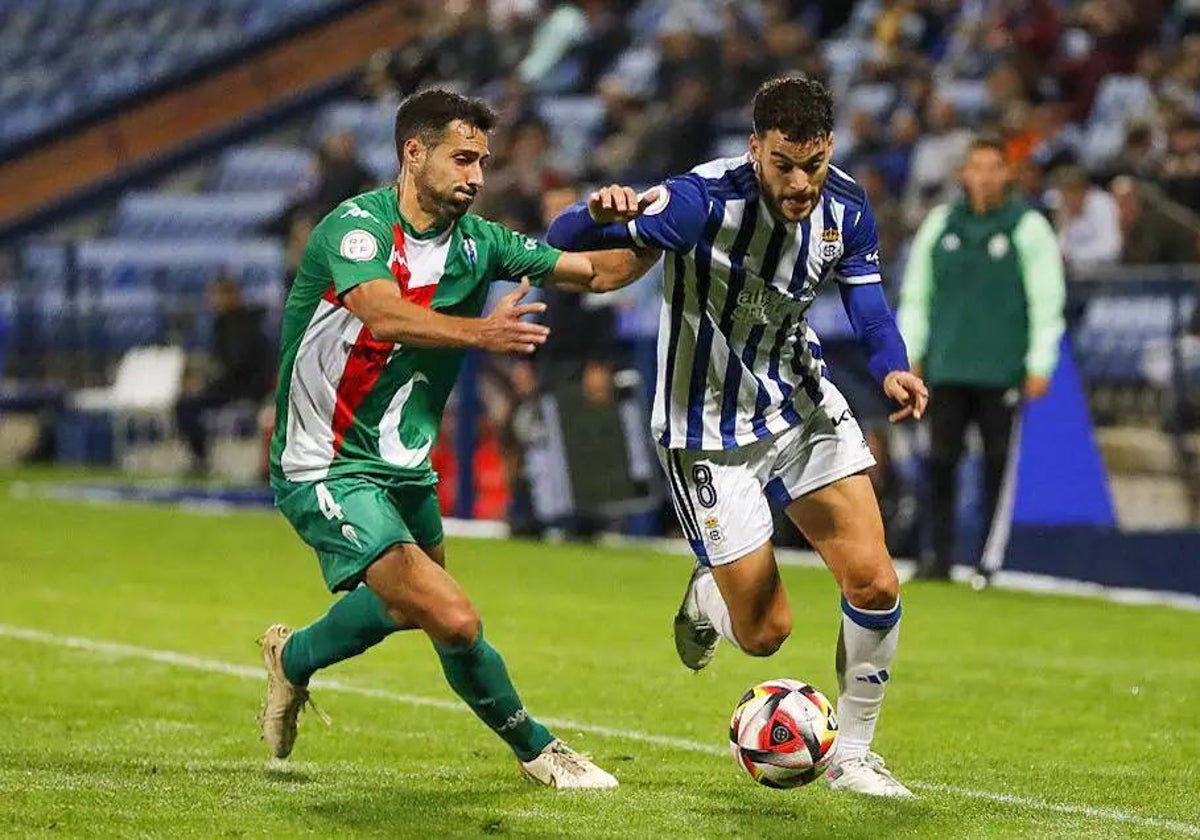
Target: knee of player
{"type": "Point", "coordinates": [459, 624]}
{"type": "Point", "coordinates": [877, 590]}
{"type": "Point", "coordinates": [767, 638]}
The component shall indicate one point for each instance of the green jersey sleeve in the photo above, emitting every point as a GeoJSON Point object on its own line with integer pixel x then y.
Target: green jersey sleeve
{"type": "Point", "coordinates": [352, 248]}
{"type": "Point", "coordinates": [514, 255]}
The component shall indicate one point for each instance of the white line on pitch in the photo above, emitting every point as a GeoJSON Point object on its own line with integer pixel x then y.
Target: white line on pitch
{"type": "Point", "coordinates": [216, 666]}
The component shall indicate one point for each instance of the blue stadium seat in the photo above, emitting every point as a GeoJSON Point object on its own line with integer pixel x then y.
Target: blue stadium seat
{"type": "Point", "coordinates": [145, 215]}
{"type": "Point", "coordinates": [94, 52]}
{"type": "Point", "coordinates": [283, 168]}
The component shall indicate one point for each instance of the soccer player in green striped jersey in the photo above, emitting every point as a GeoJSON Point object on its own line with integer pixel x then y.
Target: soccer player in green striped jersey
{"type": "Point", "coordinates": [387, 298]}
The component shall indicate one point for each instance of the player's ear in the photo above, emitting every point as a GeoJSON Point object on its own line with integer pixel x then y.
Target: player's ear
{"type": "Point", "coordinates": [755, 150]}
{"type": "Point", "coordinates": [414, 152]}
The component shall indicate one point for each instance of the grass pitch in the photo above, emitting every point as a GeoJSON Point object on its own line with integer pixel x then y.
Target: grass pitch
{"type": "Point", "coordinates": [129, 688]}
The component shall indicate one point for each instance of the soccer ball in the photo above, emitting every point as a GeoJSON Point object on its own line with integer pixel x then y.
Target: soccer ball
{"type": "Point", "coordinates": [783, 733]}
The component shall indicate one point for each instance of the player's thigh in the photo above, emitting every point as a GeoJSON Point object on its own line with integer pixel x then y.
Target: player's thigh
{"type": "Point", "coordinates": [843, 524]}
{"type": "Point", "coordinates": [349, 522]}
{"type": "Point", "coordinates": [419, 506]}
{"type": "Point", "coordinates": [412, 584]}
{"type": "Point", "coordinates": [718, 497]}
{"type": "Point", "coordinates": [827, 447]}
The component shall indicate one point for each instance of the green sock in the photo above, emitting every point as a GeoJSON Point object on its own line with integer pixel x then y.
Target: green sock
{"type": "Point", "coordinates": [354, 623]}
{"type": "Point", "coordinates": [478, 675]}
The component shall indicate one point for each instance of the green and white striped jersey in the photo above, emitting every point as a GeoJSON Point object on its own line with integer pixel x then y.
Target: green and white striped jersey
{"type": "Point", "coordinates": [347, 403]}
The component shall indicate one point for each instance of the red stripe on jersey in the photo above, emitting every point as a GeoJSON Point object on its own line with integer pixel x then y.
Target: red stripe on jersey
{"type": "Point", "coordinates": [368, 358]}
{"type": "Point", "coordinates": [422, 295]}
{"type": "Point", "coordinates": [331, 296]}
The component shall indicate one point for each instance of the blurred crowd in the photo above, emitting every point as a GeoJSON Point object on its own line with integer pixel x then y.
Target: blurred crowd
{"type": "Point", "coordinates": [1097, 102]}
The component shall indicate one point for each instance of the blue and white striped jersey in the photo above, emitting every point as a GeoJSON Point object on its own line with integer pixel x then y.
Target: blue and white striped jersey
{"type": "Point", "coordinates": [736, 359]}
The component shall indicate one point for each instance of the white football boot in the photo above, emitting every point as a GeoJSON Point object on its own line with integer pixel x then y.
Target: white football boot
{"type": "Point", "coordinates": [559, 766]}
{"type": "Point", "coordinates": [281, 710]}
{"type": "Point", "coordinates": [695, 638]}
{"type": "Point", "coordinates": [866, 774]}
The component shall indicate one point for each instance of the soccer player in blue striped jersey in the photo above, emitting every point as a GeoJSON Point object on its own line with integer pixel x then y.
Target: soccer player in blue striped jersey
{"type": "Point", "coordinates": [744, 415]}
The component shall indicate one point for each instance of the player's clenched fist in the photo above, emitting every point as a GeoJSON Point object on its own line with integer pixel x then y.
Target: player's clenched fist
{"type": "Point", "coordinates": [615, 203]}
{"type": "Point", "coordinates": [503, 331]}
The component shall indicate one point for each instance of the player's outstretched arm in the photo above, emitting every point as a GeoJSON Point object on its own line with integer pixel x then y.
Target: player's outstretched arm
{"type": "Point", "coordinates": [670, 217]}
{"type": "Point", "coordinates": [601, 271]}
{"type": "Point", "coordinates": [383, 309]}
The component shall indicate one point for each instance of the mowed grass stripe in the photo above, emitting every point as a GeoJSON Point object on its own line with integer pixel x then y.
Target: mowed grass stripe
{"type": "Point", "coordinates": [215, 666]}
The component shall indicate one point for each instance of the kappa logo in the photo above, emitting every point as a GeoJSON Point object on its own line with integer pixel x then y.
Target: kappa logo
{"type": "Point", "coordinates": [872, 257]}
{"type": "Point", "coordinates": [516, 719]}
{"type": "Point", "coordinates": [349, 533]}
{"type": "Point", "coordinates": [356, 212]}
{"type": "Point", "coordinates": [469, 247]}
{"type": "Point", "coordinates": [842, 418]}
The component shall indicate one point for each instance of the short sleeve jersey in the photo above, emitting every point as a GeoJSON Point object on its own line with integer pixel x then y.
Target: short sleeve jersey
{"type": "Point", "coordinates": [347, 403]}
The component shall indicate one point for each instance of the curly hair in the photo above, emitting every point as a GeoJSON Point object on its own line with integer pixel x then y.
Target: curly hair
{"type": "Point", "coordinates": [800, 108]}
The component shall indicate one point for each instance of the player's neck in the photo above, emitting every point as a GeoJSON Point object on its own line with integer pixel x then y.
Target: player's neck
{"type": "Point", "coordinates": [417, 217]}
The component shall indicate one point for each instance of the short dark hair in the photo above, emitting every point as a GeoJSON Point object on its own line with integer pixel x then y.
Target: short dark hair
{"type": "Point", "coordinates": [801, 108]}
{"type": "Point", "coordinates": [425, 115]}
{"type": "Point", "coordinates": [988, 140]}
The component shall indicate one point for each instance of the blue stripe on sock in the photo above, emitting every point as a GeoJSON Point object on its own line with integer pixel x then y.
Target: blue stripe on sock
{"type": "Point", "coordinates": [872, 620]}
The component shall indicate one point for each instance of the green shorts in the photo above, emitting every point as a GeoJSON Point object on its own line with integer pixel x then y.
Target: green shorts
{"type": "Point", "coordinates": [351, 521]}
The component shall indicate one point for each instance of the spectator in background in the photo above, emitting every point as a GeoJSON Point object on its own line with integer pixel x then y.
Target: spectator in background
{"type": "Point", "coordinates": [678, 133]}
{"type": "Point", "coordinates": [889, 218]}
{"type": "Point", "coordinates": [581, 348]}
{"type": "Point", "coordinates": [982, 314]}
{"type": "Point", "coordinates": [339, 173]}
{"type": "Point", "coordinates": [894, 161]}
{"type": "Point", "coordinates": [1179, 173]}
{"type": "Point", "coordinates": [625, 123]}
{"type": "Point", "coordinates": [241, 362]}
{"type": "Point", "coordinates": [561, 28]}
{"type": "Point", "coordinates": [515, 187]}
{"type": "Point", "coordinates": [1138, 156]}
{"type": "Point", "coordinates": [1150, 232]}
{"type": "Point", "coordinates": [1086, 218]}
{"type": "Point", "coordinates": [938, 153]}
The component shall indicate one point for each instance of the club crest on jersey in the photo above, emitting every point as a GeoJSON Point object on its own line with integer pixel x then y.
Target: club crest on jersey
{"type": "Point", "coordinates": [469, 247]}
{"type": "Point", "coordinates": [359, 246]}
{"type": "Point", "coordinates": [712, 527]}
{"type": "Point", "coordinates": [831, 243]}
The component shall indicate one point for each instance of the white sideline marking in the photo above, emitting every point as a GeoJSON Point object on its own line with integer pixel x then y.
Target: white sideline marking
{"type": "Point", "coordinates": [216, 666]}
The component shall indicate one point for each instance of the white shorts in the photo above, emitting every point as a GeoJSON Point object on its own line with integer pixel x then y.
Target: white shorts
{"type": "Point", "coordinates": [723, 497]}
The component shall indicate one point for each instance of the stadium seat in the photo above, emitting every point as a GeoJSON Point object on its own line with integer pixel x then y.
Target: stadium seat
{"type": "Point", "coordinates": [145, 215]}
{"type": "Point", "coordinates": [250, 168]}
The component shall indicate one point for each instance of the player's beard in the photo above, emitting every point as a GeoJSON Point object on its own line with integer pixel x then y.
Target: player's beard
{"type": "Point", "coordinates": [447, 204]}
{"type": "Point", "coordinates": [807, 203]}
